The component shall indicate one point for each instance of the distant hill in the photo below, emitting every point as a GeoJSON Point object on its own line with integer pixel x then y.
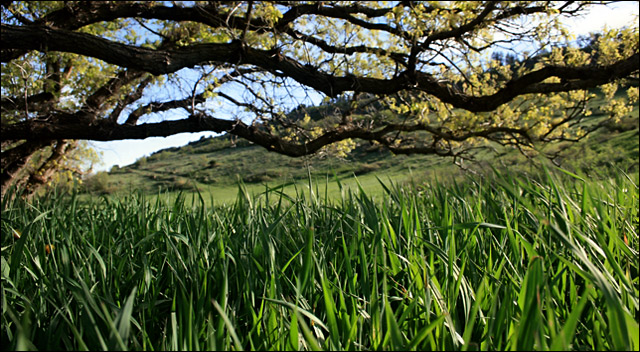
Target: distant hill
{"type": "Point", "coordinates": [221, 161]}
{"type": "Point", "coordinates": [224, 160]}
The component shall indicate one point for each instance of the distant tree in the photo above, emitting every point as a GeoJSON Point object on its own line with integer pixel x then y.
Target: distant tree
{"type": "Point", "coordinates": [106, 70]}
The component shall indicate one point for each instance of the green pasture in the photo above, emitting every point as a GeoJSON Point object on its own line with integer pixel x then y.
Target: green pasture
{"type": "Point", "coordinates": [329, 187]}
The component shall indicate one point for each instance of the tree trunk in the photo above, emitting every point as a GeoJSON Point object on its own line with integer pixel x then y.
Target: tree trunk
{"type": "Point", "coordinates": [15, 160]}
{"type": "Point", "coordinates": [48, 168]}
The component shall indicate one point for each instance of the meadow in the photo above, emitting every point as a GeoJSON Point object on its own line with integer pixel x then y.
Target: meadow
{"type": "Point", "coordinates": [501, 262]}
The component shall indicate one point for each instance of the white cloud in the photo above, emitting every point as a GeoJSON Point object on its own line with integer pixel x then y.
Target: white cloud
{"type": "Point", "coordinates": [616, 15]}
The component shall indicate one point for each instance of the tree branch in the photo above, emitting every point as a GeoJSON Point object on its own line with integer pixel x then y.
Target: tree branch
{"type": "Point", "coordinates": [167, 61]}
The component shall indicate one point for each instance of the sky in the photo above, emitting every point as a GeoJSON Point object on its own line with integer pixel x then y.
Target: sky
{"type": "Point", "coordinates": [126, 152]}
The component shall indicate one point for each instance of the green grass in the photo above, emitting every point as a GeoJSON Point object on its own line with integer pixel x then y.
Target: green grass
{"type": "Point", "coordinates": [330, 186]}
{"type": "Point", "coordinates": [497, 263]}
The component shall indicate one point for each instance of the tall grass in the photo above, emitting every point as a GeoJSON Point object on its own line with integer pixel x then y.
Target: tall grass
{"type": "Point", "coordinates": [501, 264]}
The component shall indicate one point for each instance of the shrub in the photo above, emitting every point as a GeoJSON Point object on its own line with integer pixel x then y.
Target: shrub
{"type": "Point", "coordinates": [181, 183]}
{"type": "Point", "coordinates": [100, 183]}
{"type": "Point", "coordinates": [366, 168]}
{"type": "Point", "coordinates": [142, 162]}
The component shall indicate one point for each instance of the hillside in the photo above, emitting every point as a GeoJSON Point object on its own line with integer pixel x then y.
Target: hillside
{"type": "Point", "coordinates": [221, 162]}
{"type": "Point", "coordinates": [217, 164]}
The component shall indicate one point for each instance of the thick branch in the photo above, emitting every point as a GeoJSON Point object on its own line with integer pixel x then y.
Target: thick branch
{"type": "Point", "coordinates": [153, 61]}
{"type": "Point", "coordinates": [166, 61]}
{"type": "Point", "coordinates": [16, 159]}
{"type": "Point", "coordinates": [105, 130]}
{"type": "Point", "coordinates": [17, 103]}
{"type": "Point", "coordinates": [96, 100]}
{"type": "Point", "coordinates": [48, 166]}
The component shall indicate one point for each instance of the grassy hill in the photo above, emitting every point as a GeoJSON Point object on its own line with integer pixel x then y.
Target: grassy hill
{"type": "Point", "coordinates": [216, 165]}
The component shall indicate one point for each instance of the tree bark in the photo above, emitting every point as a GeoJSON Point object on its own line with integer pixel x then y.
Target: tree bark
{"type": "Point", "coordinates": [15, 160]}
{"type": "Point", "coordinates": [47, 168]}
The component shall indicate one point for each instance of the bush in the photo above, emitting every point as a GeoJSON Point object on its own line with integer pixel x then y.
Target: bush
{"type": "Point", "coordinates": [264, 176]}
{"type": "Point", "coordinates": [255, 178]}
{"type": "Point", "coordinates": [366, 168]}
{"type": "Point", "coordinates": [181, 183]}
{"type": "Point", "coordinates": [100, 183]}
{"type": "Point", "coordinates": [142, 162]}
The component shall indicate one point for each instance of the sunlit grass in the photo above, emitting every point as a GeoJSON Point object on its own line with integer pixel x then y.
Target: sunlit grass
{"type": "Point", "coordinates": [489, 264]}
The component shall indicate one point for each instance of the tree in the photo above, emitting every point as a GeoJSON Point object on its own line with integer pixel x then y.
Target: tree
{"type": "Point", "coordinates": [413, 77]}
{"type": "Point", "coordinates": [60, 164]}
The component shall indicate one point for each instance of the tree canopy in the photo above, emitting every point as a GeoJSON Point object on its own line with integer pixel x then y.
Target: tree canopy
{"type": "Point", "coordinates": [413, 77]}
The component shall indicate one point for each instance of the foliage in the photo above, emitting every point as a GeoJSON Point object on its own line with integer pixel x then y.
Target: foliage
{"type": "Point", "coordinates": [412, 77]}
{"type": "Point", "coordinates": [76, 162]}
{"type": "Point", "coordinates": [502, 264]}
{"type": "Point", "coordinates": [98, 183]}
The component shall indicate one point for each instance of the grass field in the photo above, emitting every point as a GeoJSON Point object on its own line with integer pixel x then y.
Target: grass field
{"type": "Point", "coordinates": [498, 263]}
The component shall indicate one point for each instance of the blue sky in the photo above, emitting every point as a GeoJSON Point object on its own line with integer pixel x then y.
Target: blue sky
{"type": "Point", "coordinates": [126, 152]}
